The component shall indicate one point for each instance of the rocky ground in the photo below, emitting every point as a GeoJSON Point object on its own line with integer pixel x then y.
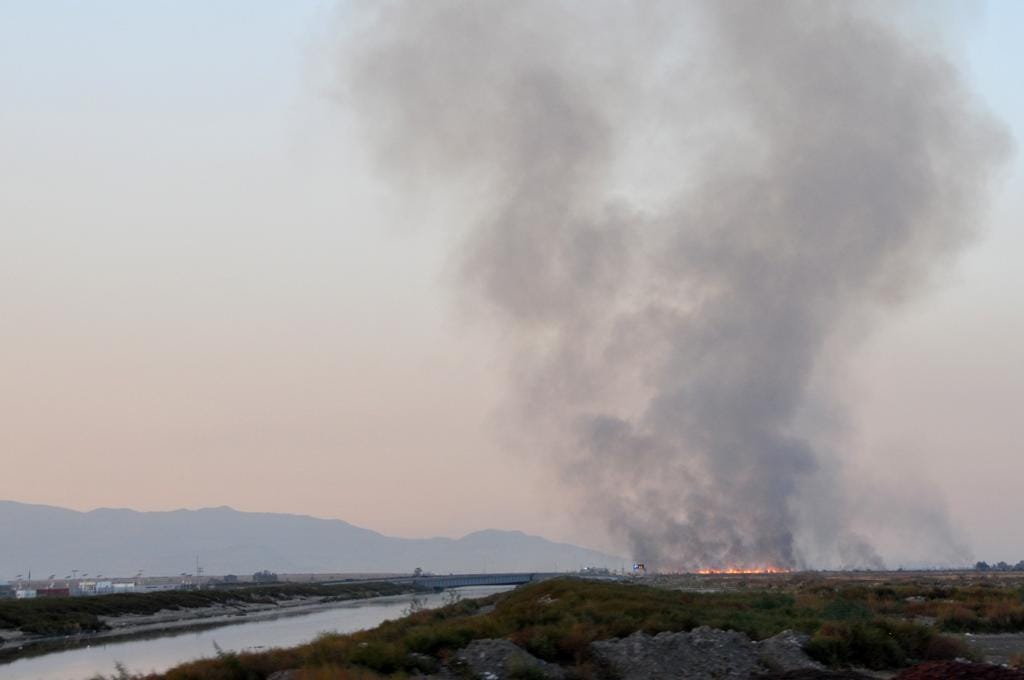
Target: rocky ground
{"type": "Point", "coordinates": [702, 654]}
{"type": "Point", "coordinates": [957, 670]}
{"type": "Point", "coordinates": [699, 654]}
{"type": "Point", "coordinates": [997, 648]}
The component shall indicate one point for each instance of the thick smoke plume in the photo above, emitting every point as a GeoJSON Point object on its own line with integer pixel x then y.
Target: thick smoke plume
{"type": "Point", "coordinates": [683, 214]}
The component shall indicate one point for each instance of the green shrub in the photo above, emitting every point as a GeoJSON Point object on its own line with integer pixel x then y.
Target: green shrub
{"type": "Point", "coordinates": [957, 618]}
{"type": "Point", "coordinates": [862, 644]}
{"type": "Point", "coordinates": [844, 609]}
{"type": "Point", "coordinates": [948, 647]}
{"type": "Point", "coordinates": [433, 639]}
{"type": "Point", "coordinates": [882, 643]}
{"type": "Point", "coordinates": [383, 657]}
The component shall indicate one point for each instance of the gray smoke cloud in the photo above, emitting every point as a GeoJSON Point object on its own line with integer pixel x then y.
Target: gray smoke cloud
{"type": "Point", "coordinates": [683, 215]}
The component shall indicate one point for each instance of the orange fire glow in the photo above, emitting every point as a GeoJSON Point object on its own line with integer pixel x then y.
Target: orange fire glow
{"type": "Point", "coordinates": [744, 570]}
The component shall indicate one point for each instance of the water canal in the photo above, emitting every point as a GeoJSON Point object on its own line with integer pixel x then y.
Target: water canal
{"type": "Point", "coordinates": [155, 654]}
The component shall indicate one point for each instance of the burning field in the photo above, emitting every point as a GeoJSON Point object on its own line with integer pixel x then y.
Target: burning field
{"type": "Point", "coordinates": [743, 570]}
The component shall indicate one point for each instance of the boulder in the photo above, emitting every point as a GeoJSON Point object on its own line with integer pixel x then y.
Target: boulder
{"type": "Point", "coordinates": [284, 675]}
{"type": "Point", "coordinates": [702, 654]}
{"type": "Point", "coordinates": [785, 652]}
{"type": "Point", "coordinates": [502, 660]}
{"type": "Point", "coordinates": [424, 664]}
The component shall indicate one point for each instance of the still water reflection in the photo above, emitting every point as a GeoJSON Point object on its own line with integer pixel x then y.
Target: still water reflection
{"type": "Point", "coordinates": [158, 654]}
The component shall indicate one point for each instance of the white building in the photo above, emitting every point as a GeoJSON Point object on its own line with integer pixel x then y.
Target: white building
{"type": "Point", "coordinates": [157, 587]}
{"type": "Point", "coordinates": [85, 588]}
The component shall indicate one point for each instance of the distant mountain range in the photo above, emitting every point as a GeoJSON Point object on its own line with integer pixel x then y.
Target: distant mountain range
{"type": "Point", "coordinates": [117, 542]}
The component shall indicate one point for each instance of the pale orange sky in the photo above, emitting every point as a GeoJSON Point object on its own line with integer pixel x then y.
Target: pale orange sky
{"type": "Point", "coordinates": [207, 299]}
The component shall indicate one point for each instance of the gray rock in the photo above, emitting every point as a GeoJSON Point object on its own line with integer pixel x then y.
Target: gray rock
{"type": "Point", "coordinates": [443, 674]}
{"type": "Point", "coordinates": [283, 675]}
{"type": "Point", "coordinates": [702, 654]}
{"type": "Point", "coordinates": [502, 660]}
{"type": "Point", "coordinates": [424, 664]}
{"type": "Point", "coordinates": [785, 652]}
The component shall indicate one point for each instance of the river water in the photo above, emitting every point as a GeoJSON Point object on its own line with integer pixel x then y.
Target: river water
{"type": "Point", "coordinates": [160, 653]}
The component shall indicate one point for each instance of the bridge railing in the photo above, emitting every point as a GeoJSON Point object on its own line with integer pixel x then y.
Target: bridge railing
{"type": "Point", "coordinates": [440, 581]}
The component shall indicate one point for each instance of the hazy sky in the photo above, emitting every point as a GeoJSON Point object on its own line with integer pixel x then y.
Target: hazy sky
{"type": "Point", "coordinates": [207, 298]}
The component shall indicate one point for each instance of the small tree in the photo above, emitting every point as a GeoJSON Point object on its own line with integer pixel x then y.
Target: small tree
{"type": "Point", "coordinates": [982, 566]}
{"type": "Point", "coordinates": [417, 604]}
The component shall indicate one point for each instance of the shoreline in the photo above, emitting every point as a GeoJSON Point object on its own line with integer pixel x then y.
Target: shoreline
{"type": "Point", "coordinates": [166, 623]}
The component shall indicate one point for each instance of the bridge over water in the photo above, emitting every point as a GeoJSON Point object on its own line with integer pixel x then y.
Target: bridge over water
{"type": "Point", "coordinates": [440, 581]}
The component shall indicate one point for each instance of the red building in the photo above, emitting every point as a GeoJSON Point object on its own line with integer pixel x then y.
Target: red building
{"type": "Point", "coordinates": [53, 592]}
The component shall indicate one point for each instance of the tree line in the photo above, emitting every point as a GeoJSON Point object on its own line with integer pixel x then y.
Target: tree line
{"type": "Point", "coordinates": [999, 566]}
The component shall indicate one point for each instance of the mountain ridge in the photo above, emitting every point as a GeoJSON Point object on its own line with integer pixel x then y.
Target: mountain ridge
{"type": "Point", "coordinates": [124, 541]}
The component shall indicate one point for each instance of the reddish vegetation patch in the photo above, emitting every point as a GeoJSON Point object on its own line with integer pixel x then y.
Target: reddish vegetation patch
{"type": "Point", "coordinates": [809, 674]}
{"type": "Point", "coordinates": [954, 670]}
{"type": "Point", "coordinates": [933, 670]}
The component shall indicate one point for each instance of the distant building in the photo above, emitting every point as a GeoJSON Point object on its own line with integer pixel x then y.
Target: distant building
{"type": "Point", "coordinates": [6, 592]}
{"type": "Point", "coordinates": [157, 587]}
{"type": "Point", "coordinates": [24, 594]}
{"type": "Point", "coordinates": [53, 592]}
{"type": "Point", "coordinates": [85, 588]}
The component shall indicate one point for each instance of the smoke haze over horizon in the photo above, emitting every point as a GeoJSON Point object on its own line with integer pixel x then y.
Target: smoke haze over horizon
{"type": "Point", "coordinates": [631, 277]}
{"type": "Point", "coordinates": [673, 335]}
